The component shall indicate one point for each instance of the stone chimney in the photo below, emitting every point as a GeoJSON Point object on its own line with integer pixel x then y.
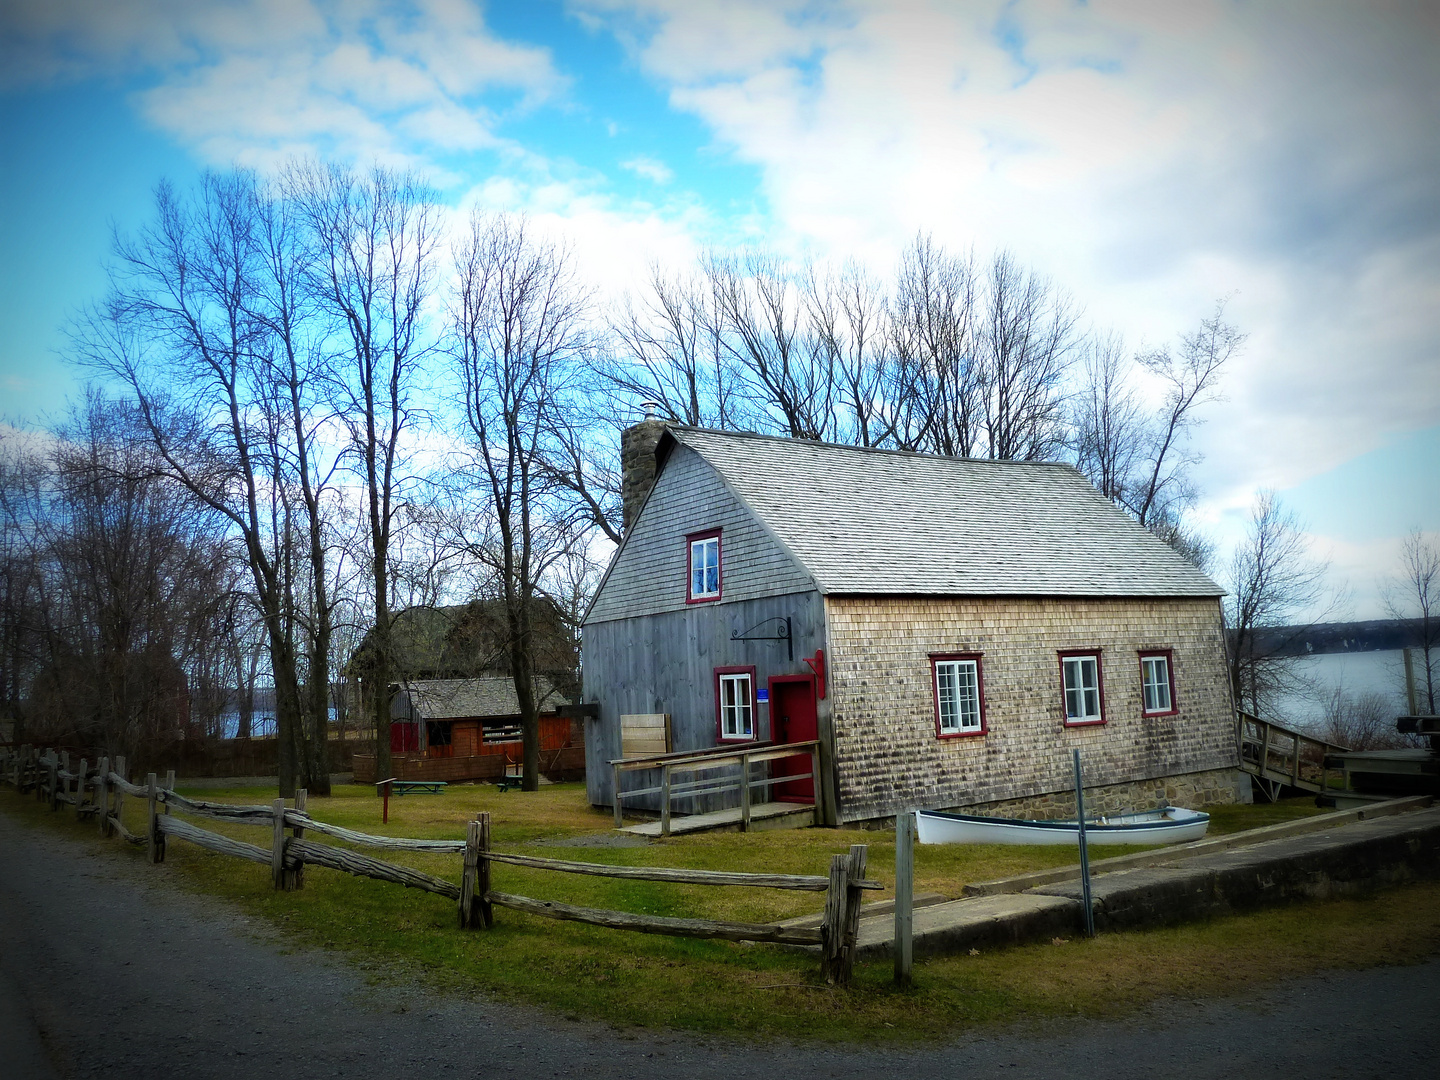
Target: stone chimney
{"type": "Point", "coordinates": [637, 463]}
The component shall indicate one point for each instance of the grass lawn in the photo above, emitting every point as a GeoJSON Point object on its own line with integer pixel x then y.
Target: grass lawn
{"type": "Point", "coordinates": [400, 935]}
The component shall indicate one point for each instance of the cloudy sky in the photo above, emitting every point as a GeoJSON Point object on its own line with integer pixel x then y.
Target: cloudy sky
{"type": "Point", "coordinates": [1152, 157]}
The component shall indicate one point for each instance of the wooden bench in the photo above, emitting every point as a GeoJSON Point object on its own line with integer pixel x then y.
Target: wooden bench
{"type": "Point", "coordinates": [428, 787]}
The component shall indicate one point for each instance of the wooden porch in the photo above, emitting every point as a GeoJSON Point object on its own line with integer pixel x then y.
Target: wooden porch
{"type": "Point", "coordinates": [749, 814]}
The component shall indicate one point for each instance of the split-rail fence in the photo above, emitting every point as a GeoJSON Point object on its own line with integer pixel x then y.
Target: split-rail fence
{"type": "Point", "coordinates": [100, 792]}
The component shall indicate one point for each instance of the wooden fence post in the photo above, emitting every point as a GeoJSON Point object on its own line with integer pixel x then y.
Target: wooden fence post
{"type": "Point", "coordinates": [169, 786]}
{"type": "Point", "coordinates": [154, 839]}
{"type": "Point", "coordinates": [55, 799]}
{"type": "Point", "coordinates": [744, 792]}
{"type": "Point", "coordinates": [277, 850]}
{"type": "Point", "coordinates": [80, 789]}
{"type": "Point", "coordinates": [102, 796]}
{"type": "Point", "coordinates": [295, 879]}
{"type": "Point", "coordinates": [54, 782]}
{"type": "Point", "coordinates": [119, 792]}
{"type": "Point", "coordinates": [904, 895]}
{"type": "Point", "coordinates": [665, 798]}
{"type": "Point", "coordinates": [619, 817]}
{"type": "Point", "coordinates": [482, 883]}
{"type": "Point", "coordinates": [854, 875]}
{"type": "Point", "coordinates": [469, 871]}
{"type": "Point", "coordinates": [833, 924]}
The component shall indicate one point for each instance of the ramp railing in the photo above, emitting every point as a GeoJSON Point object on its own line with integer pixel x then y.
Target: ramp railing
{"type": "Point", "coordinates": [1280, 757]}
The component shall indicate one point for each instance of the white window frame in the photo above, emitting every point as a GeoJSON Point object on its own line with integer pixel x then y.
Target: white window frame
{"type": "Point", "coordinates": [700, 567]}
{"type": "Point", "coordinates": [959, 706]}
{"type": "Point", "coordinates": [735, 700]}
{"type": "Point", "coordinates": [1075, 690]}
{"type": "Point", "coordinates": [1149, 662]}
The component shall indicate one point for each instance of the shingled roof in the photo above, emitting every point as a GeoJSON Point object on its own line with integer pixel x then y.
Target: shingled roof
{"type": "Point", "coordinates": [452, 699]}
{"type": "Point", "coordinates": [866, 521]}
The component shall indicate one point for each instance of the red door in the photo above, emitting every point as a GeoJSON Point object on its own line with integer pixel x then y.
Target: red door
{"type": "Point", "coordinates": [793, 718]}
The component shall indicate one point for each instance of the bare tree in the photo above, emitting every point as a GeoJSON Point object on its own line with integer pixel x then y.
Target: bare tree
{"type": "Point", "coordinates": [1029, 337]}
{"type": "Point", "coordinates": [1362, 722]}
{"type": "Point", "coordinates": [374, 237]}
{"type": "Point", "coordinates": [788, 373]}
{"type": "Point", "coordinates": [23, 476]}
{"type": "Point", "coordinates": [518, 332]}
{"type": "Point", "coordinates": [1191, 378]}
{"type": "Point", "coordinates": [1273, 579]}
{"type": "Point", "coordinates": [934, 402]}
{"type": "Point", "coordinates": [190, 328]}
{"type": "Point", "coordinates": [1416, 599]}
{"type": "Point", "coordinates": [665, 348]}
{"type": "Point", "coordinates": [848, 321]}
{"type": "Point", "coordinates": [136, 579]}
{"type": "Point", "coordinates": [1107, 421]}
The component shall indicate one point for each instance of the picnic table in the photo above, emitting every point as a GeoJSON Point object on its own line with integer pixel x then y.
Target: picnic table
{"type": "Point", "coordinates": [404, 787]}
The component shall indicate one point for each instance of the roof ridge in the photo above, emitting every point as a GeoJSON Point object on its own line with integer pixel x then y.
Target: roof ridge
{"type": "Point", "coordinates": [893, 451]}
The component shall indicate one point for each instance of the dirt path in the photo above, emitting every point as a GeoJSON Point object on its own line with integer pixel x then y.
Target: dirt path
{"type": "Point", "coordinates": [107, 969]}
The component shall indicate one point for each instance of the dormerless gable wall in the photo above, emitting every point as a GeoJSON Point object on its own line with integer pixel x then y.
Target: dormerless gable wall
{"type": "Point", "coordinates": [650, 572]}
{"type": "Point", "coordinates": [889, 758]}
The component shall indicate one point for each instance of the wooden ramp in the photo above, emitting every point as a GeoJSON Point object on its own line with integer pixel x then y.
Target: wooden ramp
{"type": "Point", "coordinates": [769, 815]}
{"type": "Point", "coordinates": [1280, 757]}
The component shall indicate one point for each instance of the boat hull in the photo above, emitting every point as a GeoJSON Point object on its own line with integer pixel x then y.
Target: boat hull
{"type": "Point", "coordinates": [1172, 825]}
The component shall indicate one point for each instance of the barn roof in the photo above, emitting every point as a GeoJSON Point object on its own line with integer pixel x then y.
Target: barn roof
{"type": "Point", "coordinates": [453, 699]}
{"type": "Point", "coordinates": [867, 521]}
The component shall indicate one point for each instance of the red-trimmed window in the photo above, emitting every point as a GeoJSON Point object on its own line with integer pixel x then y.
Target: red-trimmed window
{"type": "Point", "coordinates": [959, 695]}
{"type": "Point", "coordinates": [735, 703]}
{"type": "Point", "coordinates": [1157, 683]}
{"type": "Point", "coordinates": [1082, 694]}
{"type": "Point", "coordinates": [703, 564]}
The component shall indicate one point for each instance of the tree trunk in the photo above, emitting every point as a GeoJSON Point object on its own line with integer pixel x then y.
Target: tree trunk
{"type": "Point", "coordinates": [380, 686]}
{"type": "Point", "coordinates": [522, 668]}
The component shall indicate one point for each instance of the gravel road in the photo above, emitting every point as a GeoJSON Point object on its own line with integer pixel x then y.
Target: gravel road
{"type": "Point", "coordinates": [108, 969]}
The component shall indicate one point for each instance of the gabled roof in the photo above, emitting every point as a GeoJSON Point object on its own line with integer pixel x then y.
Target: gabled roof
{"type": "Point", "coordinates": [452, 699]}
{"type": "Point", "coordinates": [868, 521]}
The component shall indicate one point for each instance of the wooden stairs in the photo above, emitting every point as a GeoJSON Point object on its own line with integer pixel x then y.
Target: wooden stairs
{"type": "Point", "coordinates": [1279, 757]}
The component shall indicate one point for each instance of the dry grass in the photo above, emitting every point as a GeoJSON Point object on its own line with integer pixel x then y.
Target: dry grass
{"type": "Point", "coordinates": [398, 935]}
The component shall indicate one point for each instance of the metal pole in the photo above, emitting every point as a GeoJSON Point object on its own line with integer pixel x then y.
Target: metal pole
{"type": "Point", "coordinates": [1084, 850]}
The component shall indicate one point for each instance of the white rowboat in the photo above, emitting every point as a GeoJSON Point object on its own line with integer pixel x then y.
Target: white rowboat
{"type": "Point", "coordinates": [1170, 825]}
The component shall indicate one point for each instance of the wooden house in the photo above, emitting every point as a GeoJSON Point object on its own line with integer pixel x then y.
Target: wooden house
{"type": "Point", "coordinates": [948, 629]}
{"type": "Point", "coordinates": [469, 729]}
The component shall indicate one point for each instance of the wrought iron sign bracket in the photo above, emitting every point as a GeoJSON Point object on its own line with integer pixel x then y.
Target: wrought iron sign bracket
{"type": "Point", "coordinates": [783, 633]}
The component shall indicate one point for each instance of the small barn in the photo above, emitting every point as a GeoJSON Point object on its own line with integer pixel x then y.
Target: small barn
{"type": "Point", "coordinates": [469, 729]}
{"type": "Point", "coordinates": [948, 630]}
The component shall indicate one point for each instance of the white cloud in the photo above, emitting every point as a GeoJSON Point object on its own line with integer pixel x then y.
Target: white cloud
{"type": "Point", "coordinates": [657, 172]}
{"type": "Point", "coordinates": [256, 81]}
{"type": "Point", "coordinates": [1151, 157]}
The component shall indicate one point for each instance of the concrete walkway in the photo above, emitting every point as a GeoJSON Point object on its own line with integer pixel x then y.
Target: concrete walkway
{"type": "Point", "coordinates": [1352, 857]}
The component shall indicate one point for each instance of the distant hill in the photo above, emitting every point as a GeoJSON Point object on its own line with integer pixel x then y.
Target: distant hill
{"type": "Point", "coordinates": [1373, 635]}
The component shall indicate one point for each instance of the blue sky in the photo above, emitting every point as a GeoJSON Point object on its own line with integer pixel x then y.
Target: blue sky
{"type": "Point", "coordinates": [1151, 157]}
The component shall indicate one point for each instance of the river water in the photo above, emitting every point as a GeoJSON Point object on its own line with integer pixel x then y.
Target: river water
{"type": "Point", "coordinates": [1357, 673]}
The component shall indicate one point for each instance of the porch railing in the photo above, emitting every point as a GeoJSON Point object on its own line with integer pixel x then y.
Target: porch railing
{"type": "Point", "coordinates": [708, 761]}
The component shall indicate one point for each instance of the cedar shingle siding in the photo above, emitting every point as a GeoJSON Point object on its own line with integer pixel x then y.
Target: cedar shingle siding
{"type": "Point", "coordinates": [889, 759]}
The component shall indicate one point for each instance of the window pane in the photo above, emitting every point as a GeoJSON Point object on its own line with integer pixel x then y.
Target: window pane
{"type": "Point", "coordinates": [1156, 672]}
{"type": "Point", "coordinates": [1082, 688]}
{"type": "Point", "coordinates": [705, 567]}
{"type": "Point", "coordinates": [957, 695]}
{"type": "Point", "coordinates": [945, 690]}
{"type": "Point", "coordinates": [736, 711]}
